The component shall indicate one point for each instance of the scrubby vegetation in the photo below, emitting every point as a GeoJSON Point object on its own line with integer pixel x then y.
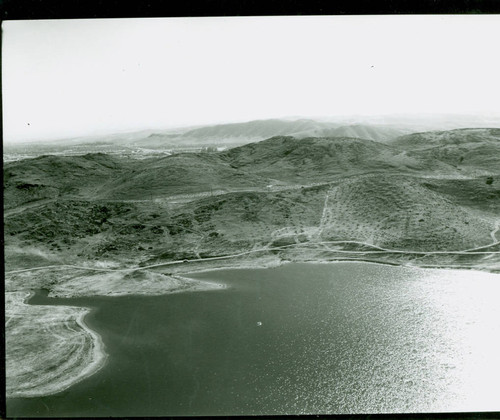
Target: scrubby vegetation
{"type": "Point", "coordinates": [408, 195]}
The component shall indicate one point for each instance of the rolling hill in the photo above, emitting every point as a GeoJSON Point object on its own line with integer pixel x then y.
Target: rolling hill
{"type": "Point", "coordinates": [49, 177]}
{"type": "Point", "coordinates": [288, 158]}
{"type": "Point", "coordinates": [276, 192]}
{"type": "Point", "coordinates": [475, 151]}
{"type": "Point", "coordinates": [258, 129]}
{"type": "Point", "coordinates": [184, 173]}
{"type": "Point", "coordinates": [379, 133]}
{"type": "Point", "coordinates": [401, 213]}
{"type": "Point", "coordinates": [275, 161]}
{"type": "Point", "coordinates": [235, 133]}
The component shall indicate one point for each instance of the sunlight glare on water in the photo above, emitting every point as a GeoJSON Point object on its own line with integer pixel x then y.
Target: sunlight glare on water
{"type": "Point", "coordinates": [411, 340]}
{"type": "Point", "coordinates": [296, 339]}
{"type": "Point", "coordinates": [466, 303]}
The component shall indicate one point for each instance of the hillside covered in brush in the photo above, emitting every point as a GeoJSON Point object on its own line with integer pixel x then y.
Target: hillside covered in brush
{"type": "Point", "coordinates": [474, 150]}
{"type": "Point", "coordinates": [320, 158]}
{"type": "Point", "coordinates": [282, 160]}
{"type": "Point", "coordinates": [272, 195]}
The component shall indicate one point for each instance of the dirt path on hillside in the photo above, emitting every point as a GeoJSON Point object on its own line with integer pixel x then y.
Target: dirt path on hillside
{"type": "Point", "coordinates": [494, 231]}
{"type": "Point", "coordinates": [324, 215]}
{"type": "Point", "coordinates": [379, 250]}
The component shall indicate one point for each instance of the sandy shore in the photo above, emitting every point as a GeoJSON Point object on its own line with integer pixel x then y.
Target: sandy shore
{"type": "Point", "coordinates": [48, 348]}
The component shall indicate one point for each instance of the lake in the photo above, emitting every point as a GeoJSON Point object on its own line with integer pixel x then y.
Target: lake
{"type": "Point", "coordinates": [295, 339]}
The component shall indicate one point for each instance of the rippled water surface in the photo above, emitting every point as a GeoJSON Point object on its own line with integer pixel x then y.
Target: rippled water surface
{"type": "Point", "coordinates": [301, 338]}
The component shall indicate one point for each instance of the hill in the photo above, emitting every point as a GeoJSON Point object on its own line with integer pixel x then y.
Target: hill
{"type": "Point", "coordinates": [284, 161]}
{"type": "Point", "coordinates": [282, 191]}
{"type": "Point", "coordinates": [258, 129]}
{"type": "Point", "coordinates": [473, 150]}
{"type": "Point", "coordinates": [49, 177]}
{"type": "Point", "coordinates": [288, 158]}
{"type": "Point", "coordinates": [379, 133]}
{"type": "Point", "coordinates": [235, 133]}
{"type": "Point", "coordinates": [184, 173]}
{"type": "Point", "coordinates": [457, 137]}
{"type": "Point", "coordinates": [253, 131]}
{"type": "Point", "coordinates": [378, 128]}
{"type": "Point", "coordinates": [401, 213]}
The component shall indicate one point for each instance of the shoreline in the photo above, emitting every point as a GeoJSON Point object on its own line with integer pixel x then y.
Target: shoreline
{"type": "Point", "coordinates": [176, 273]}
{"type": "Point", "coordinates": [96, 357]}
{"type": "Point", "coordinates": [97, 353]}
{"type": "Point", "coordinates": [325, 261]}
{"type": "Point", "coordinates": [64, 326]}
{"type": "Point", "coordinates": [249, 257]}
{"type": "Point", "coordinates": [99, 360]}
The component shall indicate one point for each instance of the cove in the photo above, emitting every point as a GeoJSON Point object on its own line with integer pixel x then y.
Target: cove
{"type": "Point", "coordinates": [295, 339]}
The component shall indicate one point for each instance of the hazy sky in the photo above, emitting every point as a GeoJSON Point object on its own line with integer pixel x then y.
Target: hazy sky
{"type": "Point", "coordinates": [81, 77]}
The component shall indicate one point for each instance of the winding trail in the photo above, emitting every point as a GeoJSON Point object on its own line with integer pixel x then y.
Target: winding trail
{"type": "Point", "coordinates": [324, 215]}
{"type": "Point", "coordinates": [379, 250]}
{"type": "Point", "coordinates": [495, 230]}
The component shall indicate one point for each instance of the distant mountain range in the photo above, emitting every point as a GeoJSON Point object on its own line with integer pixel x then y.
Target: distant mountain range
{"type": "Point", "coordinates": [380, 129]}
{"type": "Point", "coordinates": [288, 159]}
{"type": "Point", "coordinates": [241, 133]}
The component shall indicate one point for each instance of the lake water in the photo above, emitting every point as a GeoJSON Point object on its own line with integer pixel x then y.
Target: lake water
{"type": "Point", "coordinates": [300, 338]}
